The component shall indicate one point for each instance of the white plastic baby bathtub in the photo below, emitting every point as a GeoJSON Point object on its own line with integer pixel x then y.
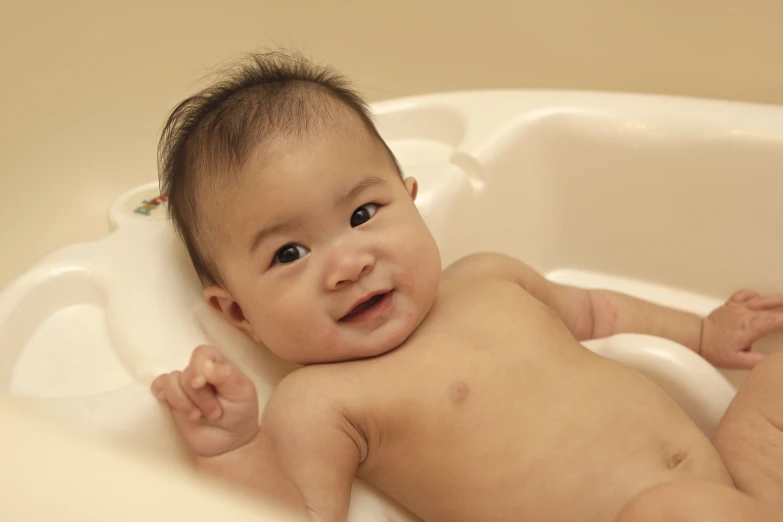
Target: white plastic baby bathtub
{"type": "Point", "coordinates": [674, 200]}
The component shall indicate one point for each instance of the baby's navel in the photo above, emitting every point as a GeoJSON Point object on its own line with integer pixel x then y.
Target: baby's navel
{"type": "Point", "coordinates": [675, 459]}
{"type": "Point", "coordinates": [458, 392]}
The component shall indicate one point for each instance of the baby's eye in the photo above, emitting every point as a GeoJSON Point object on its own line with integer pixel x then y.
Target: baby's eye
{"type": "Point", "coordinates": [363, 214]}
{"type": "Point", "coordinates": [290, 253]}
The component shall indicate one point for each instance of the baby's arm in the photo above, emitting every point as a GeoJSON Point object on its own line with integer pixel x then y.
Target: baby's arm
{"type": "Point", "coordinates": [724, 337]}
{"type": "Point", "coordinates": [302, 455]}
{"type": "Point", "coordinates": [318, 446]}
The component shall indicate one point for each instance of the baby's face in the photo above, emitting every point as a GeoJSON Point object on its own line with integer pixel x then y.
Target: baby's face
{"type": "Point", "coordinates": [324, 255]}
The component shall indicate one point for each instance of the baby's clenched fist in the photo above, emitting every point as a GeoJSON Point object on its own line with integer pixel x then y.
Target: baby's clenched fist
{"type": "Point", "coordinates": [213, 402]}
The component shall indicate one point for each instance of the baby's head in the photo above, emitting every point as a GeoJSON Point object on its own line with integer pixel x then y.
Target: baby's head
{"type": "Point", "coordinates": [295, 213]}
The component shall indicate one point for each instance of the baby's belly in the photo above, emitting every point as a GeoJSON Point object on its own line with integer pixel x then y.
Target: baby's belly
{"type": "Point", "coordinates": [514, 438]}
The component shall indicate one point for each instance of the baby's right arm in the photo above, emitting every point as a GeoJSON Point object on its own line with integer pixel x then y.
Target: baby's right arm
{"type": "Point", "coordinates": [302, 455]}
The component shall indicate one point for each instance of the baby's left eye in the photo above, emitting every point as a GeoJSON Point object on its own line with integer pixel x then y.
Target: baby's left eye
{"type": "Point", "coordinates": [363, 214]}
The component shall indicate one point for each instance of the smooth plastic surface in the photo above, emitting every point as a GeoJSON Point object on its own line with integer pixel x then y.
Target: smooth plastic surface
{"type": "Point", "coordinates": [669, 199]}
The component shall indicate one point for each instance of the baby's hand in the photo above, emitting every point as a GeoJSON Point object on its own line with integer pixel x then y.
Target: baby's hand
{"type": "Point", "coordinates": [213, 403]}
{"type": "Point", "coordinates": [730, 330]}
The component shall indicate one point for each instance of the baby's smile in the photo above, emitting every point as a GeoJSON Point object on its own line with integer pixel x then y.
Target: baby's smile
{"type": "Point", "coordinates": [375, 306]}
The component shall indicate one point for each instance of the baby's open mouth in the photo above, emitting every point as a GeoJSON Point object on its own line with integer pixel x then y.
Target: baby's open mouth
{"type": "Point", "coordinates": [368, 308]}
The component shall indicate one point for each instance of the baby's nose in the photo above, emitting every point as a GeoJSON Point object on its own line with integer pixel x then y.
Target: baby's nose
{"type": "Point", "coordinates": [348, 267]}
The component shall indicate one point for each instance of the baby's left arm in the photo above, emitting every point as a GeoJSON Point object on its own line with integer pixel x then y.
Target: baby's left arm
{"type": "Point", "coordinates": [724, 337]}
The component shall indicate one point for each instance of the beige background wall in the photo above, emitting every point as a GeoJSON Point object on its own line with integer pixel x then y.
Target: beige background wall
{"type": "Point", "coordinates": [86, 85]}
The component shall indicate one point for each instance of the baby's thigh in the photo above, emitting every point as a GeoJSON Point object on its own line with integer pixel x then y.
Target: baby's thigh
{"type": "Point", "coordinates": [749, 438]}
{"type": "Point", "coordinates": [697, 502]}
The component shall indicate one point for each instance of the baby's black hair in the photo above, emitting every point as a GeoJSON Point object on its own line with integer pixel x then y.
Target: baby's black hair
{"type": "Point", "coordinates": [215, 130]}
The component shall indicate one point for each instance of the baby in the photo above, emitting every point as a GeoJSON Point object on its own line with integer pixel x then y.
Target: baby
{"type": "Point", "coordinates": [463, 393]}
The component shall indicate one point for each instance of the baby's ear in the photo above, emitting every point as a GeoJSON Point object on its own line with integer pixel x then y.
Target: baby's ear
{"type": "Point", "coordinates": [412, 186]}
{"type": "Point", "coordinates": [221, 300]}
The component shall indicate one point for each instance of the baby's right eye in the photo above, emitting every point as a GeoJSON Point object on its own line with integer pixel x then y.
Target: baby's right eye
{"type": "Point", "coordinates": [290, 253]}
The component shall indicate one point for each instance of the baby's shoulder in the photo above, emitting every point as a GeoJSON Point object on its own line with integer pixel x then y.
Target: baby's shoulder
{"type": "Point", "coordinates": [483, 266]}
{"type": "Point", "coordinates": [305, 388]}
{"type": "Point", "coordinates": [309, 412]}
{"type": "Point", "coordinates": [310, 395]}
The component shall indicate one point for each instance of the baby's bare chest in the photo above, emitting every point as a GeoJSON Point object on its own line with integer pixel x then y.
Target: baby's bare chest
{"type": "Point", "coordinates": [492, 360]}
{"type": "Point", "coordinates": [492, 393]}
{"type": "Point", "coordinates": [488, 327]}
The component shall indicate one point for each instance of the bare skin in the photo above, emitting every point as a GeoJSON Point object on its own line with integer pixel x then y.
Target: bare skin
{"type": "Point", "coordinates": [465, 396]}
{"type": "Point", "coordinates": [750, 435]}
{"type": "Point", "coordinates": [467, 422]}
{"type": "Point", "coordinates": [697, 502]}
{"type": "Point", "coordinates": [749, 439]}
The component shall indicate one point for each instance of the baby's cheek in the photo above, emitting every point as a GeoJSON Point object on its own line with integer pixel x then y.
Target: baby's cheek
{"type": "Point", "coordinates": [422, 257]}
{"type": "Point", "coordinates": [313, 343]}
{"type": "Point", "coordinates": [425, 271]}
{"type": "Point", "coordinates": [269, 319]}
{"type": "Point", "coordinates": [328, 342]}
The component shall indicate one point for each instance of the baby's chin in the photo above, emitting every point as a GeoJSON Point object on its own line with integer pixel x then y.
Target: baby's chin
{"type": "Point", "coordinates": [346, 351]}
{"type": "Point", "coordinates": [341, 346]}
{"type": "Point", "coordinates": [387, 344]}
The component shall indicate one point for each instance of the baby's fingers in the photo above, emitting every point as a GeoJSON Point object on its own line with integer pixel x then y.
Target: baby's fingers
{"type": "Point", "coordinates": [746, 360]}
{"type": "Point", "coordinates": [167, 389]}
{"type": "Point", "coordinates": [740, 296]}
{"type": "Point", "coordinates": [201, 355]}
{"type": "Point", "coordinates": [195, 383]}
{"type": "Point", "coordinates": [765, 323]}
{"type": "Point", "coordinates": [229, 381]}
{"type": "Point", "coordinates": [767, 302]}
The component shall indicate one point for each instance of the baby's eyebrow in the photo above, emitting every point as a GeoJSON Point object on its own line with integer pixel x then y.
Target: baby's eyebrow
{"type": "Point", "coordinates": [363, 184]}
{"type": "Point", "coordinates": [266, 231]}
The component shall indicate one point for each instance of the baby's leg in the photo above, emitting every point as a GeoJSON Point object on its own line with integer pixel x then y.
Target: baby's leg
{"type": "Point", "coordinates": [697, 502]}
{"type": "Point", "coordinates": [749, 438]}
